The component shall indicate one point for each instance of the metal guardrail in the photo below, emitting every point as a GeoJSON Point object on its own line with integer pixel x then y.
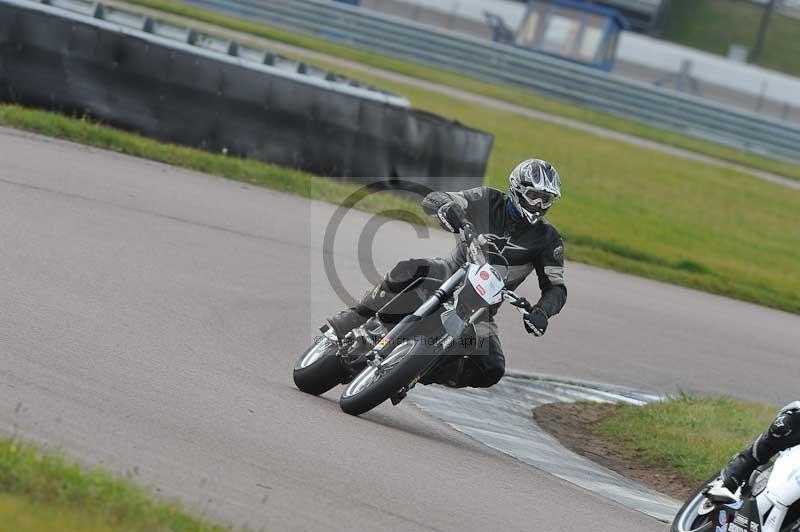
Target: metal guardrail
{"type": "Point", "coordinates": [508, 65]}
{"type": "Point", "coordinates": [643, 6]}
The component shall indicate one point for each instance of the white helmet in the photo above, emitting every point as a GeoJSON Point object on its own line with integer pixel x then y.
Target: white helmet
{"type": "Point", "coordinates": [533, 187]}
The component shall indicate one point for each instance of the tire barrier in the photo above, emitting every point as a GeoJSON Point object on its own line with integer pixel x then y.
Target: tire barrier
{"type": "Point", "coordinates": [500, 64]}
{"type": "Point", "coordinates": [173, 84]}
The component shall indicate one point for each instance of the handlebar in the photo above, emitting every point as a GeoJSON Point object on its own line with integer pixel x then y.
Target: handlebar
{"type": "Point", "coordinates": [470, 238]}
{"type": "Point", "coordinates": [518, 301]}
{"type": "Point", "coordinates": [478, 246]}
{"type": "Point", "coordinates": [468, 232]}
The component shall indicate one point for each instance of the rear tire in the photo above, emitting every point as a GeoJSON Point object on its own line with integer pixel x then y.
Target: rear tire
{"type": "Point", "coordinates": [684, 522]}
{"type": "Point", "coordinates": [366, 392]}
{"type": "Point", "coordinates": [319, 369]}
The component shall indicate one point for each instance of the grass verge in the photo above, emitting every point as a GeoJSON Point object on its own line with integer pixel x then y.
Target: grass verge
{"type": "Point", "coordinates": [46, 492]}
{"type": "Point", "coordinates": [626, 209]}
{"type": "Point", "coordinates": [84, 131]}
{"type": "Point", "coordinates": [695, 435]}
{"type": "Point", "coordinates": [650, 214]}
{"type": "Point", "coordinates": [512, 95]}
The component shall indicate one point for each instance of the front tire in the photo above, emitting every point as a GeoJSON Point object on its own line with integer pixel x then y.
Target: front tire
{"type": "Point", "coordinates": [374, 385]}
{"type": "Point", "coordinates": [688, 518]}
{"type": "Point", "coordinates": [319, 369]}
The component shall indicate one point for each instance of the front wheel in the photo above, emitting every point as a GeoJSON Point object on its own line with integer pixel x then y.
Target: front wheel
{"type": "Point", "coordinates": [319, 369]}
{"type": "Point", "coordinates": [695, 515]}
{"type": "Point", "coordinates": [375, 385]}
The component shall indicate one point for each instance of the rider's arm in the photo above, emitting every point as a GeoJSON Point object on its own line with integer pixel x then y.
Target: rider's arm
{"type": "Point", "coordinates": [781, 435]}
{"type": "Point", "coordinates": [464, 199]}
{"type": "Point", "coordinates": [550, 271]}
{"type": "Point", "coordinates": [452, 208]}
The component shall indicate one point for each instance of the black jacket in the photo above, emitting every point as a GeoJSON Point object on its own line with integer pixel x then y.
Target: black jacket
{"type": "Point", "coordinates": [526, 247]}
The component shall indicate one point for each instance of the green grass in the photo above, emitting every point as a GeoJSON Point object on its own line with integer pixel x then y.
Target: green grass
{"type": "Point", "coordinates": [47, 492]}
{"type": "Point", "coordinates": [512, 95]}
{"type": "Point", "coordinates": [624, 208]}
{"type": "Point", "coordinates": [713, 25]}
{"type": "Point", "coordinates": [695, 435]}
{"type": "Point", "coordinates": [650, 214]}
{"type": "Point", "coordinates": [20, 514]}
{"type": "Point", "coordinates": [85, 131]}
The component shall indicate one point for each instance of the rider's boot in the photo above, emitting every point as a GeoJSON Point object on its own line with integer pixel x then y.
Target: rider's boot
{"type": "Point", "coordinates": [398, 396]}
{"type": "Point", "coordinates": [451, 374]}
{"type": "Point", "coordinates": [345, 321]}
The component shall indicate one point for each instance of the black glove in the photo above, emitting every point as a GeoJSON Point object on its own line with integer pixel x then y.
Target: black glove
{"type": "Point", "coordinates": [718, 493]}
{"type": "Point", "coordinates": [535, 321]}
{"type": "Point", "coordinates": [452, 217]}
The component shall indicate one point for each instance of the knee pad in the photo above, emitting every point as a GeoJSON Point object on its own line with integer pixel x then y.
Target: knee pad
{"type": "Point", "coordinates": [492, 376]}
{"type": "Point", "coordinates": [478, 377]}
{"type": "Point", "coordinates": [490, 361]}
{"type": "Point", "coordinates": [497, 362]}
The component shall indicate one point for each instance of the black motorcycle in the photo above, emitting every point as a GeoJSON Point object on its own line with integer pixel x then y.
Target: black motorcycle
{"type": "Point", "coordinates": [411, 337]}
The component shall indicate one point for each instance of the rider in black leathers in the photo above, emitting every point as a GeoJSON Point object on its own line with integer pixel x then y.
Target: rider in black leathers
{"type": "Point", "coordinates": [513, 222]}
{"type": "Point", "coordinates": [781, 435]}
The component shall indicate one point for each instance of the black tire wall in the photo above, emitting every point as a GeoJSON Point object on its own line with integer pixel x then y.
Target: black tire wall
{"type": "Point", "coordinates": [182, 96]}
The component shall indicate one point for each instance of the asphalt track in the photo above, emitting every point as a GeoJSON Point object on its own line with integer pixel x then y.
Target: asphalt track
{"type": "Point", "coordinates": [149, 317]}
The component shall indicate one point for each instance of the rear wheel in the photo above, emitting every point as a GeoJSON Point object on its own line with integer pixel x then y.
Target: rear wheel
{"type": "Point", "coordinates": [375, 385]}
{"type": "Point", "coordinates": [695, 516]}
{"type": "Point", "coordinates": [319, 369]}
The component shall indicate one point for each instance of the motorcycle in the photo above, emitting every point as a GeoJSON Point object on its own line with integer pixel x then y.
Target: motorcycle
{"type": "Point", "coordinates": [768, 502]}
{"type": "Point", "coordinates": [377, 362]}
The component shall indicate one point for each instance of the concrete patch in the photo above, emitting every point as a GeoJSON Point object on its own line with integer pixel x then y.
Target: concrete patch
{"type": "Point", "coordinates": [501, 419]}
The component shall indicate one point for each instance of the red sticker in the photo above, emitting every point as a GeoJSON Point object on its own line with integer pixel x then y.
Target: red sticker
{"type": "Point", "coordinates": [485, 275]}
{"type": "Point", "coordinates": [480, 289]}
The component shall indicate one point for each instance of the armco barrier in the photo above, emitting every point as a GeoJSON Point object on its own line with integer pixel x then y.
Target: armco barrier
{"type": "Point", "coordinates": [174, 84]}
{"type": "Point", "coordinates": [508, 65]}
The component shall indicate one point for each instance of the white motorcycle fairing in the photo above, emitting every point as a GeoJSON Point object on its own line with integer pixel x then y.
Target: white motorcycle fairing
{"type": "Point", "coordinates": [484, 287]}
{"type": "Point", "coordinates": [782, 491]}
{"type": "Point", "coordinates": [487, 282]}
